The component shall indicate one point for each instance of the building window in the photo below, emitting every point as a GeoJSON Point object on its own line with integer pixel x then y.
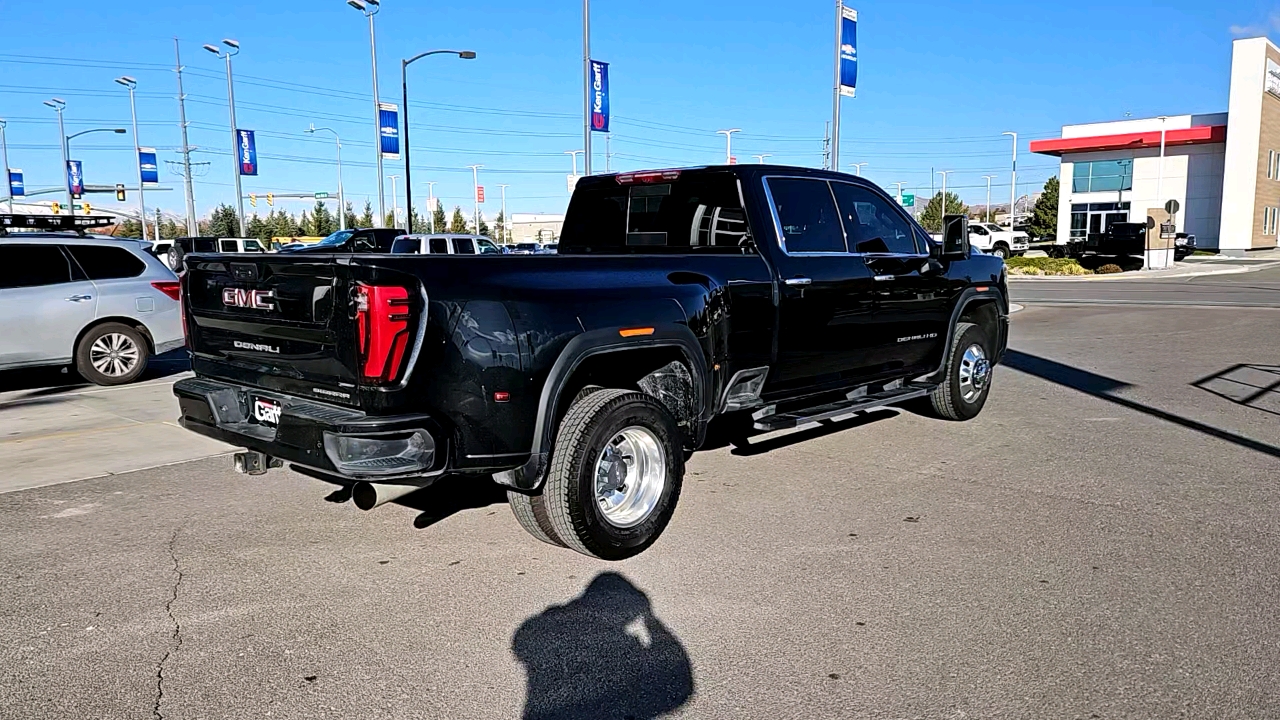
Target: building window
{"type": "Point", "coordinates": [1102, 176]}
{"type": "Point", "coordinates": [1271, 164]}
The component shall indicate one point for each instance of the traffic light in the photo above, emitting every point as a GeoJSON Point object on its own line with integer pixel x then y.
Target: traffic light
{"type": "Point", "coordinates": [271, 199]}
{"type": "Point", "coordinates": [55, 207]}
{"type": "Point", "coordinates": [253, 199]}
{"type": "Point", "coordinates": [119, 192]}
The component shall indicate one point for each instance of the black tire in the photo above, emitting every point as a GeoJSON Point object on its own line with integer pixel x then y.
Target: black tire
{"type": "Point", "coordinates": [120, 358]}
{"type": "Point", "coordinates": [592, 423]}
{"type": "Point", "coordinates": [531, 513]}
{"type": "Point", "coordinates": [585, 391]}
{"type": "Point", "coordinates": [175, 257]}
{"type": "Point", "coordinates": [956, 399]}
{"type": "Point", "coordinates": [1001, 251]}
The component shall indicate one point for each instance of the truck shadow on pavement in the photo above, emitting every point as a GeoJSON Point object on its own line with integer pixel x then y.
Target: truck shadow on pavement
{"type": "Point", "coordinates": [823, 429]}
{"type": "Point", "coordinates": [447, 496]}
{"type": "Point", "coordinates": [1102, 387]}
{"type": "Point", "coordinates": [602, 655]}
{"type": "Point", "coordinates": [1253, 386]}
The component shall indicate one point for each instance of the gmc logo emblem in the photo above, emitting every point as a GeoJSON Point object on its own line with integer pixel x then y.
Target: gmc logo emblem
{"type": "Point", "coordinates": [245, 298]}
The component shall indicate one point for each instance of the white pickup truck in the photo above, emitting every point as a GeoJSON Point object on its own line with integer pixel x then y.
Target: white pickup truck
{"type": "Point", "coordinates": [995, 240]}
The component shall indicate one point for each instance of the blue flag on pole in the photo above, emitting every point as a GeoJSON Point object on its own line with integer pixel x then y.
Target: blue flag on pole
{"type": "Point", "coordinates": [599, 96]}
{"type": "Point", "coordinates": [16, 188]}
{"type": "Point", "coordinates": [848, 51]}
{"type": "Point", "coordinates": [75, 178]}
{"type": "Point", "coordinates": [248, 152]}
{"type": "Point", "coordinates": [147, 163]}
{"type": "Point", "coordinates": [389, 130]}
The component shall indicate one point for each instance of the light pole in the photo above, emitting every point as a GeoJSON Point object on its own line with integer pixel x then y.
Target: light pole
{"type": "Point", "coordinates": [370, 8]}
{"type": "Point", "coordinates": [58, 105]}
{"type": "Point", "coordinates": [857, 168]}
{"type": "Point", "coordinates": [586, 89]}
{"type": "Point", "coordinates": [132, 83]}
{"type": "Point", "coordinates": [988, 179]}
{"type": "Point", "coordinates": [573, 159]}
{"type": "Point", "coordinates": [1160, 177]}
{"type": "Point", "coordinates": [4, 161]}
{"type": "Point", "coordinates": [506, 221]}
{"type": "Point", "coordinates": [943, 213]}
{"type": "Point", "coordinates": [342, 199]}
{"type": "Point", "coordinates": [67, 151]}
{"type": "Point", "coordinates": [431, 203]}
{"type": "Point", "coordinates": [475, 182]}
{"type": "Point", "coordinates": [404, 109]}
{"type": "Point", "coordinates": [728, 143]}
{"type": "Point", "coordinates": [1013, 177]}
{"type": "Point", "coordinates": [899, 184]}
{"type": "Point", "coordinates": [232, 51]}
{"type": "Point", "coordinates": [395, 209]}
{"type": "Point", "coordinates": [760, 158]}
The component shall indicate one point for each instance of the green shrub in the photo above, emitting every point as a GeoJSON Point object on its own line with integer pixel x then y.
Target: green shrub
{"type": "Point", "coordinates": [1046, 266]}
{"type": "Point", "coordinates": [1108, 269]}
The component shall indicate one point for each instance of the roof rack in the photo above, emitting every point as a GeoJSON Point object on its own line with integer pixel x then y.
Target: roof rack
{"type": "Point", "coordinates": [76, 223]}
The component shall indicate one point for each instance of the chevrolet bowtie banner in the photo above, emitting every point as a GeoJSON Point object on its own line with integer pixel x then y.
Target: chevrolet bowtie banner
{"type": "Point", "coordinates": [247, 150]}
{"type": "Point", "coordinates": [16, 187]}
{"type": "Point", "coordinates": [389, 130]}
{"type": "Point", "coordinates": [147, 163]}
{"type": "Point", "coordinates": [848, 51]}
{"type": "Point", "coordinates": [599, 96]}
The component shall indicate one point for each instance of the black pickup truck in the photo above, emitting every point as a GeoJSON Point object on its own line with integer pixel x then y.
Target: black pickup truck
{"type": "Point", "coordinates": [738, 298]}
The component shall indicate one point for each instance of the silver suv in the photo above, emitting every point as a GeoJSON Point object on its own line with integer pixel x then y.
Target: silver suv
{"type": "Point", "coordinates": [104, 304]}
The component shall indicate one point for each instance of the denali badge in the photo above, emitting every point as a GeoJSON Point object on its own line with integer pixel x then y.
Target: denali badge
{"type": "Point", "coordinates": [926, 336]}
{"type": "Point", "coordinates": [261, 347]}
{"type": "Point", "coordinates": [255, 299]}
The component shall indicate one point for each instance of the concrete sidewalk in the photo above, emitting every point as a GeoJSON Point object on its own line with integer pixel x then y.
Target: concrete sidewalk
{"type": "Point", "coordinates": [1219, 266]}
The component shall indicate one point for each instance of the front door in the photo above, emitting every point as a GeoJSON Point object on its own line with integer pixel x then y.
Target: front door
{"type": "Point", "coordinates": [45, 302]}
{"type": "Point", "coordinates": [825, 293]}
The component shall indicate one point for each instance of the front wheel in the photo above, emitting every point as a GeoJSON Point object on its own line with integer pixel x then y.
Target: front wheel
{"type": "Point", "coordinates": [1001, 252]}
{"type": "Point", "coordinates": [112, 354]}
{"type": "Point", "coordinates": [615, 474]}
{"type": "Point", "coordinates": [964, 391]}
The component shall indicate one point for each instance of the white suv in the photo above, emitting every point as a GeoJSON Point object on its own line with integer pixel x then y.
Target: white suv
{"type": "Point", "coordinates": [104, 304]}
{"type": "Point", "coordinates": [444, 244]}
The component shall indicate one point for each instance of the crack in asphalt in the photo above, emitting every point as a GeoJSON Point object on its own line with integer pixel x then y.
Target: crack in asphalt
{"type": "Point", "coordinates": [177, 629]}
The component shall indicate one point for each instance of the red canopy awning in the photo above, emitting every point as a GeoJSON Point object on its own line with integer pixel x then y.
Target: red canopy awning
{"type": "Point", "coordinates": [1183, 136]}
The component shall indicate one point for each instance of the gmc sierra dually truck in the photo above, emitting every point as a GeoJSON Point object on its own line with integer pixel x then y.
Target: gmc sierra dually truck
{"type": "Point", "coordinates": [745, 298]}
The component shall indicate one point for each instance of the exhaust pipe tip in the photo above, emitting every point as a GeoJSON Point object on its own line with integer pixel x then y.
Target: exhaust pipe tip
{"type": "Point", "coordinates": [369, 495]}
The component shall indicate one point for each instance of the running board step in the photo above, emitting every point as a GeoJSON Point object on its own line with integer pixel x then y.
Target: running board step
{"type": "Point", "coordinates": [766, 421]}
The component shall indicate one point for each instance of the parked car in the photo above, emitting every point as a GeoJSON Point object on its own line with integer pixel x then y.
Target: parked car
{"type": "Point", "coordinates": [995, 240]}
{"type": "Point", "coordinates": [526, 248]}
{"type": "Point", "coordinates": [1183, 245]}
{"type": "Point", "coordinates": [101, 304]}
{"type": "Point", "coordinates": [754, 297]}
{"type": "Point", "coordinates": [180, 247]}
{"type": "Point", "coordinates": [550, 248]}
{"type": "Point", "coordinates": [359, 240]}
{"type": "Point", "coordinates": [445, 244]}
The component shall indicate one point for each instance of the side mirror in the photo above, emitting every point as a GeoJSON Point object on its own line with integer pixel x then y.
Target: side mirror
{"type": "Point", "coordinates": [955, 237]}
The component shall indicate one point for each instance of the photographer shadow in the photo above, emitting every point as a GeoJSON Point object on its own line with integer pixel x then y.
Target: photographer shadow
{"type": "Point", "coordinates": [602, 656]}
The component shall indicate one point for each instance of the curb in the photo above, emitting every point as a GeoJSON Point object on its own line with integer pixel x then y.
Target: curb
{"type": "Point", "coordinates": [1140, 275]}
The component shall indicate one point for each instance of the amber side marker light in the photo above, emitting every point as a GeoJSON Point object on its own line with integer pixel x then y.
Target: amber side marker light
{"type": "Point", "coordinates": [982, 288]}
{"type": "Point", "coordinates": [633, 332]}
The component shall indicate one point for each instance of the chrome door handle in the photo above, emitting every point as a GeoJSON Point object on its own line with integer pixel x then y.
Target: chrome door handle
{"type": "Point", "coordinates": [884, 277]}
{"type": "Point", "coordinates": [798, 281]}
{"type": "Point", "coordinates": [80, 298]}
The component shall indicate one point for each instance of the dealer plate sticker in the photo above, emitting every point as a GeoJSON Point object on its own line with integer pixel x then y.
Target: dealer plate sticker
{"type": "Point", "coordinates": [266, 412]}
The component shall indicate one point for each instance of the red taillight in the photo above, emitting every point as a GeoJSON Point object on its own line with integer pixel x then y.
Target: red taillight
{"type": "Point", "coordinates": [382, 330]}
{"type": "Point", "coordinates": [172, 288]}
{"type": "Point", "coordinates": [652, 176]}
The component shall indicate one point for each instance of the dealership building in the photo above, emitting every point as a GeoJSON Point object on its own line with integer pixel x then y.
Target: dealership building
{"type": "Point", "coordinates": [1222, 169]}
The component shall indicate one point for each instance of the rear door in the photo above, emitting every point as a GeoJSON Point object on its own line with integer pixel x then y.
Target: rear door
{"type": "Point", "coordinates": [45, 301]}
{"type": "Point", "coordinates": [464, 246]}
{"type": "Point", "coordinates": [825, 294]}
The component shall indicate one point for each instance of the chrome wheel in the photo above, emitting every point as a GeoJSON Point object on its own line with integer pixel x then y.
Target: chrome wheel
{"type": "Point", "coordinates": [631, 473]}
{"type": "Point", "coordinates": [114, 355]}
{"type": "Point", "coordinates": [975, 372]}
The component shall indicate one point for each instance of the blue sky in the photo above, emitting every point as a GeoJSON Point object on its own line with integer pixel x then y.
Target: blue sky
{"type": "Point", "coordinates": [938, 82]}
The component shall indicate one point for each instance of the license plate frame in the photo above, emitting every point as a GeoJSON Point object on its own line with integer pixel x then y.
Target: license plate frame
{"type": "Point", "coordinates": [265, 411]}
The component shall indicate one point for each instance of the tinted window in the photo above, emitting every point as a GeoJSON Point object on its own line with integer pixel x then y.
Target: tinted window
{"type": "Point", "coordinates": [405, 245]}
{"type": "Point", "coordinates": [698, 209]}
{"type": "Point", "coordinates": [872, 224]}
{"type": "Point", "coordinates": [464, 246]}
{"type": "Point", "coordinates": [807, 214]}
{"type": "Point", "coordinates": [32, 265]}
{"type": "Point", "coordinates": [228, 246]}
{"type": "Point", "coordinates": [253, 246]}
{"type": "Point", "coordinates": [439, 246]}
{"type": "Point", "coordinates": [487, 248]}
{"type": "Point", "coordinates": [106, 263]}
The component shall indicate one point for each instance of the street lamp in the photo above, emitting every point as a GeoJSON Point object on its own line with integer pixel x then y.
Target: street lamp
{"type": "Point", "coordinates": [988, 179]}
{"type": "Point", "coordinates": [1160, 177]}
{"type": "Point", "coordinates": [132, 84]}
{"type": "Point", "coordinates": [370, 8]}
{"type": "Point", "coordinates": [233, 49]}
{"type": "Point", "coordinates": [4, 162]}
{"type": "Point", "coordinates": [342, 199]}
{"type": "Point", "coordinates": [943, 213]}
{"type": "Point", "coordinates": [431, 203]}
{"type": "Point", "coordinates": [573, 159]}
{"type": "Point", "coordinates": [760, 158]}
{"type": "Point", "coordinates": [506, 221]}
{"type": "Point", "coordinates": [899, 184]}
{"type": "Point", "coordinates": [58, 105]}
{"type": "Point", "coordinates": [857, 168]}
{"type": "Point", "coordinates": [404, 109]}
{"type": "Point", "coordinates": [475, 182]}
{"type": "Point", "coordinates": [1013, 177]}
{"type": "Point", "coordinates": [395, 210]}
{"type": "Point", "coordinates": [728, 143]}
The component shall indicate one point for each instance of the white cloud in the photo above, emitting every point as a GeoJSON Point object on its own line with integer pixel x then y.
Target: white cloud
{"type": "Point", "coordinates": [1255, 29]}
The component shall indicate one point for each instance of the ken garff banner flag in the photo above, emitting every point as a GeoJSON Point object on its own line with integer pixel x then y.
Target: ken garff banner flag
{"type": "Point", "coordinates": [599, 96]}
{"type": "Point", "coordinates": [848, 51]}
{"type": "Point", "coordinates": [147, 163]}
{"type": "Point", "coordinates": [389, 130]}
{"type": "Point", "coordinates": [16, 188]}
{"type": "Point", "coordinates": [75, 178]}
{"type": "Point", "coordinates": [247, 150]}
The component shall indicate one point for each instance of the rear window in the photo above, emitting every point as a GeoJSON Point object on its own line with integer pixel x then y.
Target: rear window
{"type": "Point", "coordinates": [32, 266]}
{"type": "Point", "coordinates": [404, 246]}
{"type": "Point", "coordinates": [107, 263]}
{"type": "Point", "coordinates": [698, 211]}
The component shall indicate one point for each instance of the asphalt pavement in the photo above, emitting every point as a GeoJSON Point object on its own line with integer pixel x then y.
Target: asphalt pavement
{"type": "Point", "coordinates": [1256, 288]}
{"type": "Point", "coordinates": [1099, 543]}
